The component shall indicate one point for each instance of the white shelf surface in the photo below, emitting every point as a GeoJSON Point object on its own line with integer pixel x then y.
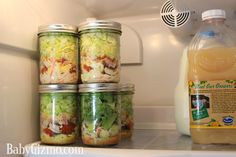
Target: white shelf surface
{"type": "Point", "coordinates": [145, 143]}
{"type": "Point", "coordinates": [113, 152]}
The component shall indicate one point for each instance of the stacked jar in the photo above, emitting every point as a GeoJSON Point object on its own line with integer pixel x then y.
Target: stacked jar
{"type": "Point", "coordinates": [127, 119]}
{"type": "Point", "coordinates": [99, 43]}
{"type": "Point", "coordinates": [58, 67]}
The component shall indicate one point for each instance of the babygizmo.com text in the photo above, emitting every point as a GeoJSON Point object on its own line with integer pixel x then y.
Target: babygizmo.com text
{"type": "Point", "coordinates": [38, 149]}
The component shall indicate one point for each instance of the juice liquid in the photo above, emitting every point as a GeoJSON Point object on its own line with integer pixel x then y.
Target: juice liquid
{"type": "Point", "coordinates": [212, 89]}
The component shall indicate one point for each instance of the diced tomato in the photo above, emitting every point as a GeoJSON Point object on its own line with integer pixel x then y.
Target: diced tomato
{"type": "Point", "coordinates": [73, 69]}
{"type": "Point", "coordinates": [101, 57]}
{"type": "Point", "coordinates": [68, 129]}
{"type": "Point", "coordinates": [108, 62]}
{"type": "Point", "coordinates": [98, 130]}
{"type": "Point", "coordinates": [44, 69]}
{"type": "Point", "coordinates": [62, 60]}
{"type": "Point", "coordinates": [130, 124]}
{"type": "Point", "coordinates": [48, 132]}
{"type": "Point", "coordinates": [105, 58]}
{"type": "Point", "coordinates": [87, 68]}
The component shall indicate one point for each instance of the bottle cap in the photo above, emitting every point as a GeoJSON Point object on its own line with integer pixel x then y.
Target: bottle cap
{"type": "Point", "coordinates": [215, 13]}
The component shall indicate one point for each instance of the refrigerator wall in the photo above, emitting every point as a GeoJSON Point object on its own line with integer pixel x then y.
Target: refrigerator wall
{"type": "Point", "coordinates": [156, 78]}
{"type": "Point", "coordinates": [19, 100]}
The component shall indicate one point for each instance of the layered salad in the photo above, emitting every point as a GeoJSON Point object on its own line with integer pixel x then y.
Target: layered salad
{"type": "Point", "coordinates": [58, 58]}
{"type": "Point", "coordinates": [58, 112]}
{"type": "Point", "coordinates": [99, 56]}
{"type": "Point", "coordinates": [127, 121]}
{"type": "Point", "coordinates": [100, 119]}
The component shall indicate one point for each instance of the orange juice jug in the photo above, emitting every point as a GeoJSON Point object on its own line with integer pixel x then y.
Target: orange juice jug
{"type": "Point", "coordinates": [212, 81]}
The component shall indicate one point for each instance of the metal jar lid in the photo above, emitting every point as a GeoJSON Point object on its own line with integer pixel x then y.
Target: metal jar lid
{"type": "Point", "coordinates": [98, 87]}
{"type": "Point", "coordinates": [102, 24]}
{"type": "Point", "coordinates": [57, 88]}
{"type": "Point", "coordinates": [127, 87]}
{"type": "Point", "coordinates": [58, 28]}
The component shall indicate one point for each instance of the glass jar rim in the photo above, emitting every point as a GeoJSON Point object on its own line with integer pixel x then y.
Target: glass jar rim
{"type": "Point", "coordinates": [57, 88]}
{"type": "Point", "coordinates": [98, 87]}
{"type": "Point", "coordinates": [126, 87]}
{"type": "Point", "coordinates": [102, 24]}
{"type": "Point", "coordinates": [58, 28]}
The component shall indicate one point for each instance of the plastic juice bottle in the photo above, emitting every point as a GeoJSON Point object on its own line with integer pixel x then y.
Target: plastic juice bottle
{"type": "Point", "coordinates": [212, 81]}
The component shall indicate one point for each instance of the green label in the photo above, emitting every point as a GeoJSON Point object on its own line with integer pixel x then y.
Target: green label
{"type": "Point", "coordinates": [212, 103]}
{"type": "Point", "coordinates": [200, 113]}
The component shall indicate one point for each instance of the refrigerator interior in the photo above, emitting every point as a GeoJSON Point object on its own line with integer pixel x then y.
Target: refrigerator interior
{"type": "Point", "coordinates": [154, 48]}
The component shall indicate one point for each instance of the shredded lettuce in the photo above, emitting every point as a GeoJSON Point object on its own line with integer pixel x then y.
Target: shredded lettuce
{"type": "Point", "coordinates": [58, 58]}
{"type": "Point", "coordinates": [100, 109]}
{"type": "Point", "coordinates": [126, 104]}
{"type": "Point", "coordinates": [100, 43]}
{"type": "Point", "coordinates": [126, 111]}
{"type": "Point", "coordinates": [58, 45]}
{"type": "Point", "coordinates": [58, 103]}
{"type": "Point", "coordinates": [99, 56]}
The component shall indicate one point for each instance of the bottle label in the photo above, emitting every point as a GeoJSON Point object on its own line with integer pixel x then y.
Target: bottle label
{"type": "Point", "coordinates": [212, 104]}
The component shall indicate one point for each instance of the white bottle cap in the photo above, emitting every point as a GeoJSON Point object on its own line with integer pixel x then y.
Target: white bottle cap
{"type": "Point", "coordinates": [91, 19]}
{"type": "Point", "coordinates": [215, 13]}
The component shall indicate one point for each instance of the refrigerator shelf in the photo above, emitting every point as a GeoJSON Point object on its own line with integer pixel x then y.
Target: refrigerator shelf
{"type": "Point", "coordinates": [148, 143]}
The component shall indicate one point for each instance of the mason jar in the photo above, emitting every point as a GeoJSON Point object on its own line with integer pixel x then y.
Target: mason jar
{"type": "Point", "coordinates": [58, 47]}
{"type": "Point", "coordinates": [100, 114]}
{"type": "Point", "coordinates": [58, 114]}
{"type": "Point", "coordinates": [127, 119]}
{"type": "Point", "coordinates": [99, 42]}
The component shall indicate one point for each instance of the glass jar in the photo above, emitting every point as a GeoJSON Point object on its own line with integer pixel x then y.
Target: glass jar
{"type": "Point", "coordinates": [100, 114]}
{"type": "Point", "coordinates": [100, 51]}
{"type": "Point", "coordinates": [58, 47]}
{"type": "Point", "coordinates": [58, 114]}
{"type": "Point", "coordinates": [127, 120]}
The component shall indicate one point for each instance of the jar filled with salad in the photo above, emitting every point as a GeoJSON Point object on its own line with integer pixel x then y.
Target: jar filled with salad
{"type": "Point", "coordinates": [100, 51]}
{"type": "Point", "coordinates": [100, 114]}
{"type": "Point", "coordinates": [58, 47]}
{"type": "Point", "coordinates": [127, 120]}
{"type": "Point", "coordinates": [58, 114]}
